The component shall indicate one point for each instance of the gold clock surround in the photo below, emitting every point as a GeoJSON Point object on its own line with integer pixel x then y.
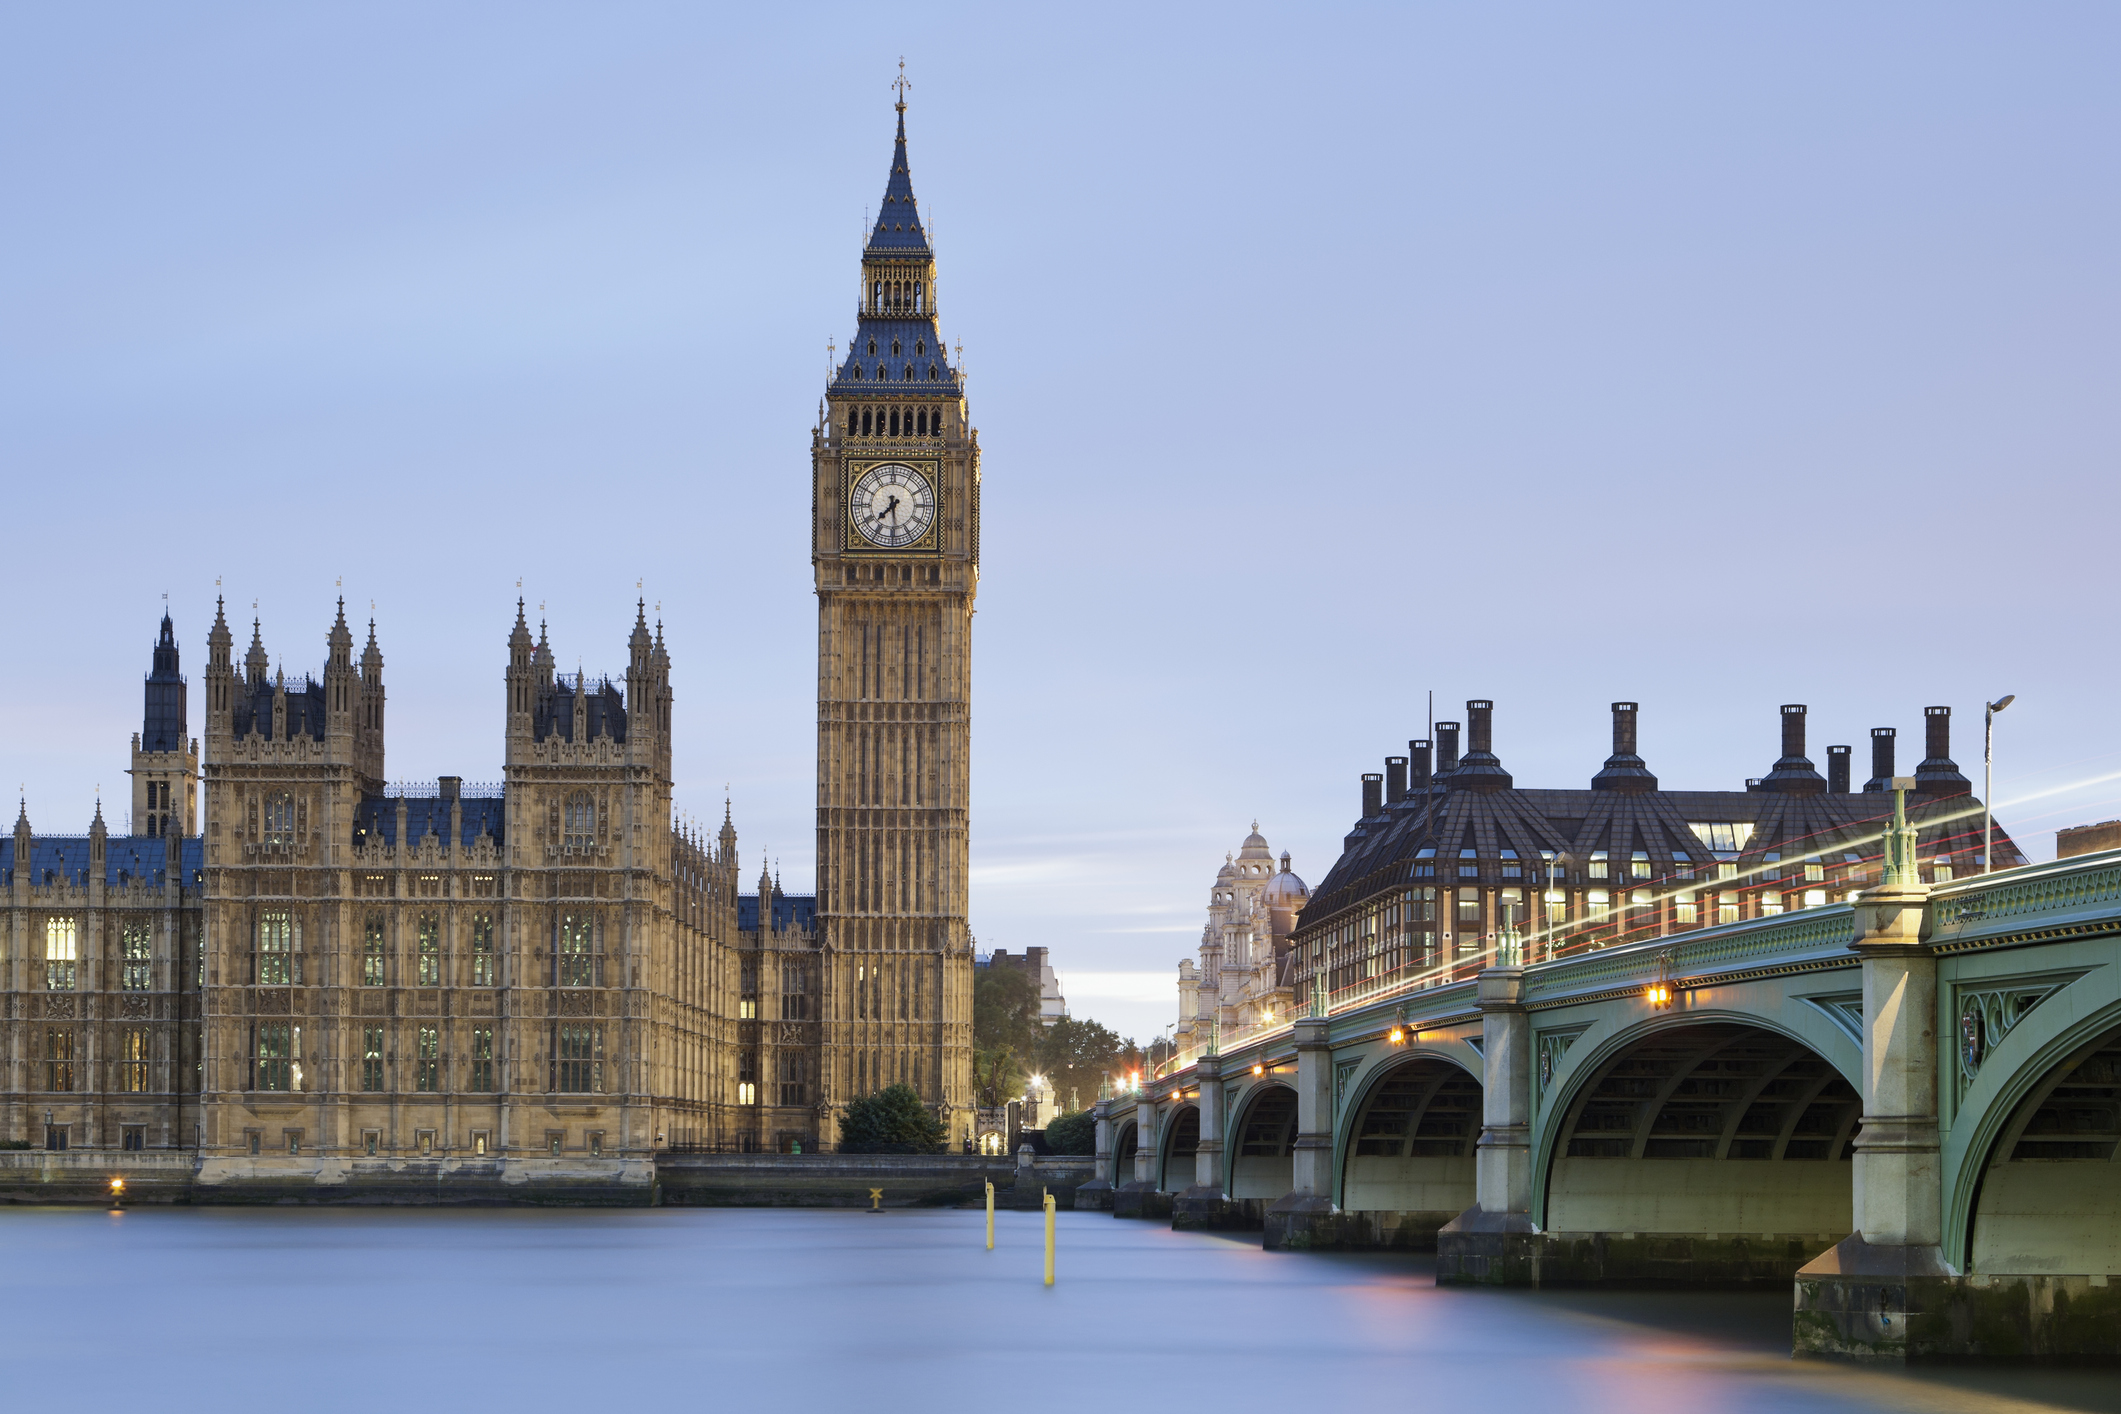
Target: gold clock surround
{"type": "Point", "coordinates": [853, 469]}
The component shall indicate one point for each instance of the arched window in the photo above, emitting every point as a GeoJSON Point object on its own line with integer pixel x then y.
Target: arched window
{"type": "Point", "coordinates": [920, 420]}
{"type": "Point", "coordinates": [872, 348]}
{"type": "Point", "coordinates": [916, 297]}
{"type": "Point", "coordinates": [854, 422]}
{"type": "Point", "coordinates": [920, 348]}
{"type": "Point", "coordinates": [894, 348]}
{"type": "Point", "coordinates": [276, 944]}
{"type": "Point", "coordinates": [894, 422]}
{"type": "Point", "coordinates": [865, 422]}
{"type": "Point", "coordinates": [931, 373]}
{"type": "Point", "coordinates": [580, 830]}
{"type": "Point", "coordinates": [876, 301]}
{"type": "Point", "coordinates": [574, 951]}
{"type": "Point", "coordinates": [60, 955]}
{"type": "Point", "coordinates": [280, 819]}
{"type": "Point", "coordinates": [372, 952]}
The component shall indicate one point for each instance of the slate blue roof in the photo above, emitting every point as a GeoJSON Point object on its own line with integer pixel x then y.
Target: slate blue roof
{"type": "Point", "coordinates": [305, 710]}
{"type": "Point", "coordinates": [898, 221]}
{"type": "Point", "coordinates": [797, 911]}
{"type": "Point", "coordinates": [55, 859]}
{"type": "Point", "coordinates": [553, 713]}
{"type": "Point", "coordinates": [897, 235]}
{"type": "Point", "coordinates": [377, 816]}
{"type": "Point", "coordinates": [163, 724]}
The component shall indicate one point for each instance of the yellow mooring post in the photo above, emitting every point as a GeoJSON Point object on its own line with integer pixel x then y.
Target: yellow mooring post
{"type": "Point", "coordinates": [1049, 1239]}
{"type": "Point", "coordinates": [876, 1200]}
{"type": "Point", "coordinates": [990, 1215]}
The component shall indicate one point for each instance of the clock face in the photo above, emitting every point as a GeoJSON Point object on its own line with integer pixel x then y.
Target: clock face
{"type": "Point", "coordinates": [892, 505]}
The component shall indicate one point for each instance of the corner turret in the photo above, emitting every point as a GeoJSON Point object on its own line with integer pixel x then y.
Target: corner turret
{"type": "Point", "coordinates": [165, 761]}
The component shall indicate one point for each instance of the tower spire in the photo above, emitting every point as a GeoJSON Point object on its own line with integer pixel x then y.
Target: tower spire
{"type": "Point", "coordinates": [898, 220]}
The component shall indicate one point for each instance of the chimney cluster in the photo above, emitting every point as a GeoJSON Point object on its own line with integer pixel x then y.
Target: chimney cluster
{"type": "Point", "coordinates": [1411, 777]}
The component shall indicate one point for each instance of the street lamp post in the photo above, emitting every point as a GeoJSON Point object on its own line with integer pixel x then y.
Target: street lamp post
{"type": "Point", "coordinates": [1988, 780]}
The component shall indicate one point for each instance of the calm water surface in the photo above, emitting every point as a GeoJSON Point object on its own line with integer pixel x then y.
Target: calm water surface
{"type": "Point", "coordinates": [305, 1309]}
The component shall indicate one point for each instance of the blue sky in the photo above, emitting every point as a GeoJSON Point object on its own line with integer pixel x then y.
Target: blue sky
{"type": "Point", "coordinates": [1710, 357]}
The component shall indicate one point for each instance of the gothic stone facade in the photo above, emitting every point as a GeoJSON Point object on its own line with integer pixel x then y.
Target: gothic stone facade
{"type": "Point", "coordinates": [536, 980]}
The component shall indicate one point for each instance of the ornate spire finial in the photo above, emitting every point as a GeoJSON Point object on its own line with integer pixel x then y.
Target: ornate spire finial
{"type": "Point", "coordinates": [901, 83]}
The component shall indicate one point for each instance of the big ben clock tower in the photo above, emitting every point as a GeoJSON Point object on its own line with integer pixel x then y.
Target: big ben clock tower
{"type": "Point", "coordinates": [895, 485]}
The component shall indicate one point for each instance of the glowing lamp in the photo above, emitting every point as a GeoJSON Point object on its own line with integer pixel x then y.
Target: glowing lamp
{"type": "Point", "coordinates": [1259, 1070]}
{"type": "Point", "coordinates": [1398, 1037]}
{"type": "Point", "coordinates": [117, 1187]}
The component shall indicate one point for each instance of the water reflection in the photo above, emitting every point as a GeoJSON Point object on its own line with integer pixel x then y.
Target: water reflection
{"type": "Point", "coordinates": [346, 1309]}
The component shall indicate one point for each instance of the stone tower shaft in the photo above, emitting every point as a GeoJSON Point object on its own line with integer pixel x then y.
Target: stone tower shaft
{"type": "Point", "coordinates": [894, 690]}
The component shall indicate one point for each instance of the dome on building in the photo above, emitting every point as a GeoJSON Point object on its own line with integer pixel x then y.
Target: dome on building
{"type": "Point", "coordinates": [1228, 872]}
{"type": "Point", "coordinates": [1255, 846]}
{"type": "Point", "coordinates": [1285, 890]}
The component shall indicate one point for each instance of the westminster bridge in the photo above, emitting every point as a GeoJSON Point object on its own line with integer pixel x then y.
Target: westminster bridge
{"type": "Point", "coordinates": [1907, 1105]}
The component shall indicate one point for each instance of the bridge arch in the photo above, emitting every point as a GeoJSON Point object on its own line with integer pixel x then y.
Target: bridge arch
{"type": "Point", "coordinates": [1125, 1143]}
{"type": "Point", "coordinates": [2034, 1156]}
{"type": "Point", "coordinates": [1405, 1147]}
{"type": "Point", "coordinates": [1260, 1152]}
{"type": "Point", "coordinates": [1701, 1123]}
{"type": "Point", "coordinates": [1181, 1141]}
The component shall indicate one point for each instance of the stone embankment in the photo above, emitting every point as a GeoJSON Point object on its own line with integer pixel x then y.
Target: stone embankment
{"type": "Point", "coordinates": [83, 1176]}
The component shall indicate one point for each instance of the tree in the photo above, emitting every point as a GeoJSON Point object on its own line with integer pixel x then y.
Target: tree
{"type": "Point", "coordinates": [1074, 1133]}
{"type": "Point", "coordinates": [892, 1121]}
{"type": "Point", "coordinates": [997, 1075]}
{"type": "Point", "coordinates": [1004, 1009]}
{"type": "Point", "coordinates": [1133, 1057]}
{"type": "Point", "coordinates": [1077, 1055]}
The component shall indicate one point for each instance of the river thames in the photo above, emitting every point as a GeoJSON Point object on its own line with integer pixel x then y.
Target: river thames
{"type": "Point", "coordinates": [785, 1309]}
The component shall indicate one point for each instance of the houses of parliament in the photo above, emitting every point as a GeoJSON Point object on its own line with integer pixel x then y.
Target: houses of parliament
{"type": "Point", "coordinates": [292, 970]}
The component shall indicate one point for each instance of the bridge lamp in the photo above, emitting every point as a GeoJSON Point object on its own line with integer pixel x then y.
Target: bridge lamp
{"type": "Point", "coordinates": [1659, 992]}
{"type": "Point", "coordinates": [1397, 1037]}
{"type": "Point", "coordinates": [1988, 779]}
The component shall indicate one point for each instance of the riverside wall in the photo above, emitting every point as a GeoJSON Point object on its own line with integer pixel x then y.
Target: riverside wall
{"type": "Point", "coordinates": [83, 1176]}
